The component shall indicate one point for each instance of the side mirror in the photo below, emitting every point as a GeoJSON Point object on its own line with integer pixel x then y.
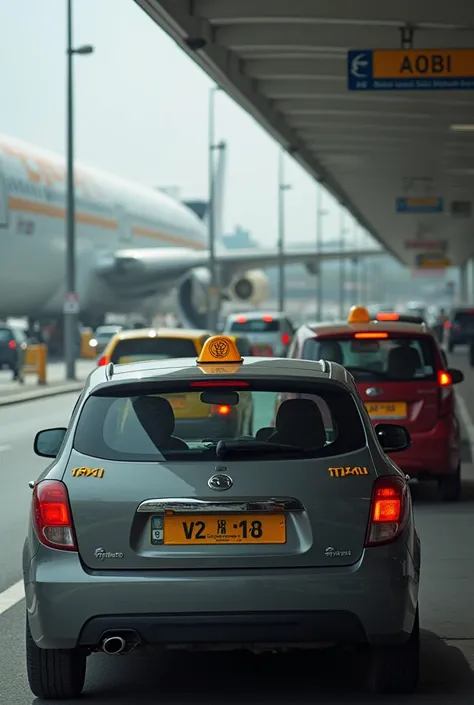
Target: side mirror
{"type": "Point", "coordinates": [456, 375]}
{"type": "Point", "coordinates": [47, 443]}
{"type": "Point", "coordinates": [392, 438]}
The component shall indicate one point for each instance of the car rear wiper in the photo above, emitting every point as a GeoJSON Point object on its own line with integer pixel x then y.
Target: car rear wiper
{"type": "Point", "coordinates": [226, 448]}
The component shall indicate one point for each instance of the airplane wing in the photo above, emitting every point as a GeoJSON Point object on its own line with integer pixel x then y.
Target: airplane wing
{"type": "Point", "coordinates": [139, 265]}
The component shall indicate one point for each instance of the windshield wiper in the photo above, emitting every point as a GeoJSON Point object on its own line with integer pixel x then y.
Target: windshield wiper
{"type": "Point", "coordinates": [226, 448]}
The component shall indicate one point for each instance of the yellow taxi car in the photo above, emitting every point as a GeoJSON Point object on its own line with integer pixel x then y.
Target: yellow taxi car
{"type": "Point", "coordinates": [168, 343]}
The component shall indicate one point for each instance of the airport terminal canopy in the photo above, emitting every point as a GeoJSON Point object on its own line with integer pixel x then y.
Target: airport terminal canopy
{"type": "Point", "coordinates": [389, 133]}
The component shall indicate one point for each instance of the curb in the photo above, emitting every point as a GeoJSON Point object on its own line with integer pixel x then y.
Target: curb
{"type": "Point", "coordinates": [42, 394]}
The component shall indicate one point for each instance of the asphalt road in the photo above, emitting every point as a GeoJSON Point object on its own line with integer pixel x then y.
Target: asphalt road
{"type": "Point", "coordinates": [447, 615]}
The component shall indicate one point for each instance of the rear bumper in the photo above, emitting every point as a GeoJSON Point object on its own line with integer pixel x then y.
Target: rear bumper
{"type": "Point", "coordinates": [68, 606]}
{"type": "Point", "coordinates": [436, 452]}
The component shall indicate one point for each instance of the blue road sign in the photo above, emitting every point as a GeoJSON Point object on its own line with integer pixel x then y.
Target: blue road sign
{"type": "Point", "coordinates": [426, 204]}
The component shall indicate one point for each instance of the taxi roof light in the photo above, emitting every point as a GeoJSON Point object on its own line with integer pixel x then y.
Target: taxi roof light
{"type": "Point", "coordinates": [219, 349]}
{"type": "Point", "coordinates": [358, 314]}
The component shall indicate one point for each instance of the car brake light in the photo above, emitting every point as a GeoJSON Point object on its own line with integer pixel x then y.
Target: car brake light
{"type": "Point", "coordinates": [389, 510]}
{"type": "Point", "coordinates": [52, 515]}
{"type": "Point", "coordinates": [285, 339]}
{"type": "Point", "coordinates": [444, 378]}
{"type": "Point", "coordinates": [104, 360]}
{"type": "Point", "coordinates": [447, 324]}
{"type": "Point", "coordinates": [220, 383]}
{"type": "Point", "coordinates": [12, 345]}
{"type": "Point", "coordinates": [387, 317]}
{"type": "Point", "coordinates": [267, 319]}
{"type": "Point", "coordinates": [221, 409]}
{"type": "Point", "coordinates": [371, 336]}
{"type": "Point", "coordinates": [445, 382]}
{"type": "Point", "coordinates": [241, 319]}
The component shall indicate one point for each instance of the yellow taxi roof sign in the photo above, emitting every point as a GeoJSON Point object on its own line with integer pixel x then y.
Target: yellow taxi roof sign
{"type": "Point", "coordinates": [219, 349]}
{"type": "Point", "coordinates": [358, 314]}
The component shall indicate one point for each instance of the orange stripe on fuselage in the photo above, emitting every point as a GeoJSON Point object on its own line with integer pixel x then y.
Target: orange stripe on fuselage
{"type": "Point", "coordinates": [25, 206]}
{"type": "Point", "coordinates": [175, 239]}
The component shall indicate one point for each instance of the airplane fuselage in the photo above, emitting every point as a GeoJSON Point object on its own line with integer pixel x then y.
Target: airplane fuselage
{"type": "Point", "coordinates": [110, 214]}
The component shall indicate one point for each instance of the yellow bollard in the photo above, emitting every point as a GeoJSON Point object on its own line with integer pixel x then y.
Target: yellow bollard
{"type": "Point", "coordinates": [87, 351]}
{"type": "Point", "coordinates": [35, 362]}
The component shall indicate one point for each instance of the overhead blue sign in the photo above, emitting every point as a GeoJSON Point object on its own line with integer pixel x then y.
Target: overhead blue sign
{"type": "Point", "coordinates": [426, 204]}
{"type": "Point", "coordinates": [410, 69]}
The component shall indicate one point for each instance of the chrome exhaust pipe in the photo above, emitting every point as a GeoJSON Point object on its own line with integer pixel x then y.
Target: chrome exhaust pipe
{"type": "Point", "coordinates": [113, 645]}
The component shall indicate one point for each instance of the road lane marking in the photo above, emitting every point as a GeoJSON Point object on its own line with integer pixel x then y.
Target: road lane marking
{"type": "Point", "coordinates": [11, 596]}
{"type": "Point", "coordinates": [466, 421]}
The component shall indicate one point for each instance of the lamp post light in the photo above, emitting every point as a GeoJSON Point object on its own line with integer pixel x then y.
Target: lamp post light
{"type": "Point", "coordinates": [282, 187]}
{"type": "Point", "coordinates": [71, 304]}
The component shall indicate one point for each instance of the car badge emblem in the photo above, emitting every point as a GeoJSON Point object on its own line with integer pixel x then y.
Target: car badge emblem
{"type": "Point", "coordinates": [101, 555]}
{"type": "Point", "coordinates": [220, 482]}
{"type": "Point", "coordinates": [373, 392]}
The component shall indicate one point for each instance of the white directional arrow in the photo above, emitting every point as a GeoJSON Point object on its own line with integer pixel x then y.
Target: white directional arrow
{"type": "Point", "coordinates": [358, 63]}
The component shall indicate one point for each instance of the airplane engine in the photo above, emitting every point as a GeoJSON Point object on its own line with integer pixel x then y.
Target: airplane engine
{"type": "Point", "coordinates": [250, 288]}
{"type": "Point", "coordinates": [193, 297]}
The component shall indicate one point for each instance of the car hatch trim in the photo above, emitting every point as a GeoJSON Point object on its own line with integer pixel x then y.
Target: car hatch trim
{"type": "Point", "coordinates": [192, 506]}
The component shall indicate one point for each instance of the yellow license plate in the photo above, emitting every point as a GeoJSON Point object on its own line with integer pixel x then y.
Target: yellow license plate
{"type": "Point", "coordinates": [387, 410]}
{"type": "Point", "coordinates": [195, 530]}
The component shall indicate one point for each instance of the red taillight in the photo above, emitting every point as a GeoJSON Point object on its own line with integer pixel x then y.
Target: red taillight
{"type": "Point", "coordinates": [389, 510]}
{"type": "Point", "coordinates": [220, 383]}
{"type": "Point", "coordinates": [387, 317]}
{"type": "Point", "coordinates": [12, 345]}
{"type": "Point", "coordinates": [52, 515]}
{"type": "Point", "coordinates": [104, 360]}
{"type": "Point", "coordinates": [285, 339]}
{"type": "Point", "coordinates": [267, 319]}
{"type": "Point", "coordinates": [445, 392]}
{"type": "Point", "coordinates": [221, 409]}
{"type": "Point", "coordinates": [447, 324]}
{"type": "Point", "coordinates": [241, 319]}
{"type": "Point", "coordinates": [370, 336]}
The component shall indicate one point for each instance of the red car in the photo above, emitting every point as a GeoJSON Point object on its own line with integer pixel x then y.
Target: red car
{"type": "Point", "coordinates": [402, 378]}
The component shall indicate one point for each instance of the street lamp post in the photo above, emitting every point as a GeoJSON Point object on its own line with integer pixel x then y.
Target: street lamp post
{"type": "Point", "coordinates": [214, 285]}
{"type": "Point", "coordinates": [320, 213]}
{"type": "Point", "coordinates": [282, 187]}
{"type": "Point", "coordinates": [342, 221]}
{"type": "Point", "coordinates": [71, 306]}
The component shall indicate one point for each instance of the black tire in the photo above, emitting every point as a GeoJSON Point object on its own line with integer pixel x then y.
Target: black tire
{"type": "Point", "coordinates": [449, 487]}
{"type": "Point", "coordinates": [395, 669]}
{"type": "Point", "coordinates": [54, 673]}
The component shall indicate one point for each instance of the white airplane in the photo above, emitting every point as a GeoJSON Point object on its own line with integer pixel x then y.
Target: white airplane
{"type": "Point", "coordinates": [133, 245]}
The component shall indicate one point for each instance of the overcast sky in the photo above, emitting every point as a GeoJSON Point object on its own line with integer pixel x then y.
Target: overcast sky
{"type": "Point", "coordinates": [142, 112]}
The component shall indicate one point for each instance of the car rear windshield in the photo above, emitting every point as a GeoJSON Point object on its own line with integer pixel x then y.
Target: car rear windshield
{"type": "Point", "coordinates": [5, 335]}
{"type": "Point", "coordinates": [463, 317]}
{"type": "Point", "coordinates": [391, 359]}
{"type": "Point", "coordinates": [261, 422]}
{"type": "Point", "coordinates": [152, 349]}
{"type": "Point", "coordinates": [255, 325]}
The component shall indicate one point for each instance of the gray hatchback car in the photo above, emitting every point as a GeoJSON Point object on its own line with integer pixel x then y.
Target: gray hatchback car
{"type": "Point", "coordinates": [296, 535]}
